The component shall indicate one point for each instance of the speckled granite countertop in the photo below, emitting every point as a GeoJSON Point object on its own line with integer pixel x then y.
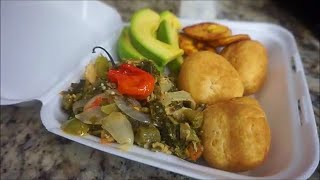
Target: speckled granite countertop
{"type": "Point", "coordinates": [29, 151]}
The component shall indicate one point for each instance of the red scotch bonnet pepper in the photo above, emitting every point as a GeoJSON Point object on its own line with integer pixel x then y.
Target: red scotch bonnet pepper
{"type": "Point", "coordinates": [132, 81]}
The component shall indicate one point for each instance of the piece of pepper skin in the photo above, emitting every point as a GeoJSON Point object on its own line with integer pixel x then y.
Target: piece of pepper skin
{"type": "Point", "coordinates": [132, 81]}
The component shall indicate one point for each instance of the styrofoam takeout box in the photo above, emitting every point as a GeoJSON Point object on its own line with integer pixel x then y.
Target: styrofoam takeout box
{"type": "Point", "coordinates": [46, 45]}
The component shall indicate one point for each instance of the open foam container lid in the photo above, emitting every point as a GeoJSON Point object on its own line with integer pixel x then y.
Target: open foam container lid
{"type": "Point", "coordinates": [46, 45]}
{"type": "Point", "coordinates": [43, 41]}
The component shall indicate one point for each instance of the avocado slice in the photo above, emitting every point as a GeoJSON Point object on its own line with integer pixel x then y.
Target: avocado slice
{"type": "Point", "coordinates": [144, 24]}
{"type": "Point", "coordinates": [168, 33]}
{"type": "Point", "coordinates": [173, 19]}
{"type": "Point", "coordinates": [125, 49]}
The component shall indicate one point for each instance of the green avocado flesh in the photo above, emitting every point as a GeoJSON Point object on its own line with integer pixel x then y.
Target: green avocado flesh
{"type": "Point", "coordinates": [173, 19]}
{"type": "Point", "coordinates": [144, 24]}
{"type": "Point", "coordinates": [168, 33]}
{"type": "Point", "coordinates": [125, 49]}
{"type": "Point", "coordinates": [175, 65]}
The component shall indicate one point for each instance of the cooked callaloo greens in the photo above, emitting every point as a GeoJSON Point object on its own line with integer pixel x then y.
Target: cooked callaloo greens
{"type": "Point", "coordinates": [133, 103]}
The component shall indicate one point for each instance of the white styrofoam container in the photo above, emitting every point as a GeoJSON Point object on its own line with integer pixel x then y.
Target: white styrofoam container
{"type": "Point", "coordinates": [46, 45]}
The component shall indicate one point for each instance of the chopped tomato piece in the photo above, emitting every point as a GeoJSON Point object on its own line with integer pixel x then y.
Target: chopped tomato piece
{"type": "Point", "coordinates": [193, 152]}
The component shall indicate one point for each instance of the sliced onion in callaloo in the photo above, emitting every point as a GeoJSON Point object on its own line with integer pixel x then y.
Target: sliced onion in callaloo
{"type": "Point", "coordinates": [119, 127]}
{"type": "Point", "coordinates": [179, 114]}
{"type": "Point", "coordinates": [133, 102]}
{"type": "Point", "coordinates": [78, 104]}
{"type": "Point", "coordinates": [91, 116]}
{"type": "Point", "coordinates": [127, 109]}
{"type": "Point", "coordinates": [170, 97]}
{"type": "Point", "coordinates": [93, 99]}
{"type": "Point", "coordinates": [108, 109]}
{"type": "Point", "coordinates": [165, 84]}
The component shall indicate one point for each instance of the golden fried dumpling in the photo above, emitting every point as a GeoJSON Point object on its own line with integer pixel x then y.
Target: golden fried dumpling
{"type": "Point", "coordinates": [250, 59]}
{"type": "Point", "coordinates": [209, 78]}
{"type": "Point", "coordinates": [236, 135]}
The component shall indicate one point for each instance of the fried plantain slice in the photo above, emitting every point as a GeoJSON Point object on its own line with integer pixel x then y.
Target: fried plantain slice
{"type": "Point", "coordinates": [187, 44]}
{"type": "Point", "coordinates": [207, 31]}
{"type": "Point", "coordinates": [190, 45]}
{"type": "Point", "coordinates": [229, 40]}
{"type": "Point", "coordinates": [209, 48]}
{"type": "Point", "coordinates": [201, 46]}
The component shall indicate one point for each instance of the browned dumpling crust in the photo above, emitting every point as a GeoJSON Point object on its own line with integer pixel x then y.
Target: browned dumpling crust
{"type": "Point", "coordinates": [236, 135]}
{"type": "Point", "coordinates": [250, 59]}
{"type": "Point", "coordinates": [209, 78]}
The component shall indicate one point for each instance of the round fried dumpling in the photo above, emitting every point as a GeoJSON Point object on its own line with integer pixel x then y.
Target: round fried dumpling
{"type": "Point", "coordinates": [250, 59]}
{"type": "Point", "coordinates": [236, 135]}
{"type": "Point", "coordinates": [209, 78]}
